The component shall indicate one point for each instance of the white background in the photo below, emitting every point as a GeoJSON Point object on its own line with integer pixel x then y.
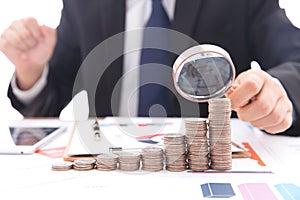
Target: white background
{"type": "Point", "coordinates": [48, 12]}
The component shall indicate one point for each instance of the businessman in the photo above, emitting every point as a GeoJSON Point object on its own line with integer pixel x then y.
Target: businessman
{"type": "Point", "coordinates": [47, 61]}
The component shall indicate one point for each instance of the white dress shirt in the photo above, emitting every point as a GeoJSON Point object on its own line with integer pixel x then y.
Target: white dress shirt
{"type": "Point", "coordinates": [137, 15]}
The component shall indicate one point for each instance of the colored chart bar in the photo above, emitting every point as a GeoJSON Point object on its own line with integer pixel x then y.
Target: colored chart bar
{"type": "Point", "coordinates": [217, 190]}
{"type": "Point", "coordinates": [288, 191]}
{"type": "Point", "coordinates": [256, 191]}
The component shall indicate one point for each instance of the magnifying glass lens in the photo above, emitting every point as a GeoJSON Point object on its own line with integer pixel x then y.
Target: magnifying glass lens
{"type": "Point", "coordinates": [202, 73]}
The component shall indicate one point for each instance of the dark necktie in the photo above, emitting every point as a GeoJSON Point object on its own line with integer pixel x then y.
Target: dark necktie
{"type": "Point", "coordinates": [153, 91]}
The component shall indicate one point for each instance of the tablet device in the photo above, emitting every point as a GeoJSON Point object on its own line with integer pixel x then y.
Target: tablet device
{"type": "Point", "coordinates": [26, 138]}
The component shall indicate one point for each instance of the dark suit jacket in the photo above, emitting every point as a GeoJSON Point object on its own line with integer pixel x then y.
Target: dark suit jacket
{"type": "Point", "coordinates": [248, 29]}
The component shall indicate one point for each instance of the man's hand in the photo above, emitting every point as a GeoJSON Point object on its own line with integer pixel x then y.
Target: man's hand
{"type": "Point", "coordinates": [29, 47]}
{"type": "Point", "coordinates": [262, 101]}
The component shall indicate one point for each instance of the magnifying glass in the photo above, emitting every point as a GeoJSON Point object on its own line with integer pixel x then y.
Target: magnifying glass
{"type": "Point", "coordinates": [203, 72]}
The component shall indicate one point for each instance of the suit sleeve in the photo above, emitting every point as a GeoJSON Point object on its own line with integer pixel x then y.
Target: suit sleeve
{"type": "Point", "coordinates": [276, 46]}
{"type": "Point", "coordinates": [63, 67]}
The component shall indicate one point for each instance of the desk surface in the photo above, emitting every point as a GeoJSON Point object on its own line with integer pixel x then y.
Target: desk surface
{"type": "Point", "coordinates": [31, 177]}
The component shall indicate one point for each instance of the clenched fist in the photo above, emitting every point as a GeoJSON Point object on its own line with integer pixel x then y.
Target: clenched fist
{"type": "Point", "coordinates": [29, 47]}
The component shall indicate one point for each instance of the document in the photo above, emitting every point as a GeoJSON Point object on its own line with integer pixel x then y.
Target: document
{"type": "Point", "coordinates": [133, 134]}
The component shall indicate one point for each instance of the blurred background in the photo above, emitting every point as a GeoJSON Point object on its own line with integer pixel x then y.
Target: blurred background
{"type": "Point", "coordinates": [48, 12]}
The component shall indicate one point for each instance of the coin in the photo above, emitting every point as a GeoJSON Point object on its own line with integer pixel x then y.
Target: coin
{"type": "Point", "coordinates": [197, 146]}
{"type": "Point", "coordinates": [62, 166]}
{"type": "Point", "coordinates": [129, 161]}
{"type": "Point", "coordinates": [106, 162]}
{"type": "Point", "coordinates": [220, 133]}
{"type": "Point", "coordinates": [84, 164]}
{"type": "Point", "coordinates": [152, 159]}
{"type": "Point", "coordinates": [175, 151]}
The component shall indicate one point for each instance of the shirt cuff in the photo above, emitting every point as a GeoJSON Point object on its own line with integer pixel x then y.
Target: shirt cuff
{"type": "Point", "coordinates": [27, 96]}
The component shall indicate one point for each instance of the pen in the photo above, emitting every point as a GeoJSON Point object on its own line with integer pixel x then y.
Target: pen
{"type": "Point", "coordinates": [96, 130]}
{"type": "Point", "coordinates": [51, 137]}
{"type": "Point", "coordinates": [244, 154]}
{"type": "Point", "coordinates": [238, 146]}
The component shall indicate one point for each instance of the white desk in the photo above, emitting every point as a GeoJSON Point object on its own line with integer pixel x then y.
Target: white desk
{"type": "Point", "coordinates": [31, 177]}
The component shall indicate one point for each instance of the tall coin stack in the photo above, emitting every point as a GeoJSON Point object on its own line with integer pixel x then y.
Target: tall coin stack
{"type": "Point", "coordinates": [175, 152]}
{"type": "Point", "coordinates": [152, 159]}
{"type": "Point", "coordinates": [197, 146]}
{"type": "Point", "coordinates": [129, 161]}
{"type": "Point", "coordinates": [220, 133]}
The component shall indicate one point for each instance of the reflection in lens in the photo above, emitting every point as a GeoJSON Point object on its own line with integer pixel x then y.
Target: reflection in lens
{"type": "Point", "coordinates": [203, 75]}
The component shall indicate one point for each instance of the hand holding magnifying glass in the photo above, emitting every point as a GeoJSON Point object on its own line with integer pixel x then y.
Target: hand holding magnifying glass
{"type": "Point", "coordinates": [261, 100]}
{"type": "Point", "coordinates": [206, 71]}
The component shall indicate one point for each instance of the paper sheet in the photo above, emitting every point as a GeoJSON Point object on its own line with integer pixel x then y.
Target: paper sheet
{"type": "Point", "coordinates": [31, 177]}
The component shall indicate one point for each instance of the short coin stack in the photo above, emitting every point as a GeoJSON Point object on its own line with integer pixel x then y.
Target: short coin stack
{"type": "Point", "coordinates": [175, 152]}
{"type": "Point", "coordinates": [220, 133]}
{"type": "Point", "coordinates": [106, 162]}
{"type": "Point", "coordinates": [197, 146]}
{"type": "Point", "coordinates": [62, 166]}
{"type": "Point", "coordinates": [84, 164]}
{"type": "Point", "coordinates": [129, 161]}
{"type": "Point", "coordinates": [152, 159]}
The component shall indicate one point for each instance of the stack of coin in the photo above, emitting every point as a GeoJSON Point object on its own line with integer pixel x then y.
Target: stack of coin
{"type": "Point", "coordinates": [62, 166]}
{"type": "Point", "coordinates": [175, 152]}
{"type": "Point", "coordinates": [107, 162]}
{"type": "Point", "coordinates": [129, 161]}
{"type": "Point", "coordinates": [197, 146]}
{"type": "Point", "coordinates": [152, 159]}
{"type": "Point", "coordinates": [84, 164]}
{"type": "Point", "coordinates": [220, 133]}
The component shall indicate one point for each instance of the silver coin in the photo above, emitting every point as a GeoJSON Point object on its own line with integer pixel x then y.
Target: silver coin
{"type": "Point", "coordinates": [62, 166]}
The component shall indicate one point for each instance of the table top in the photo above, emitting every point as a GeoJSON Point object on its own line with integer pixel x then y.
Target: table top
{"type": "Point", "coordinates": [30, 176]}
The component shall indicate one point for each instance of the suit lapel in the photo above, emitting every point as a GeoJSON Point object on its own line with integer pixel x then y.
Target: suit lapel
{"type": "Point", "coordinates": [186, 12]}
{"type": "Point", "coordinates": [113, 12]}
{"type": "Point", "coordinates": [112, 23]}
